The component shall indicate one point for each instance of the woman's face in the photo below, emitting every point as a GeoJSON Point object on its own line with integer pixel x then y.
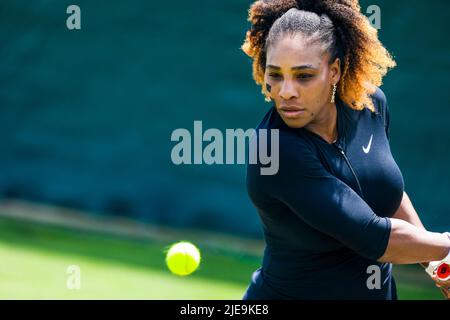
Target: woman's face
{"type": "Point", "coordinates": [300, 80]}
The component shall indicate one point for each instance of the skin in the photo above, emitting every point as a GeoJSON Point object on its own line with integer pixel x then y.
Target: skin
{"type": "Point", "coordinates": [298, 74]}
{"type": "Point", "coordinates": [407, 212]}
{"type": "Point", "coordinates": [444, 286]}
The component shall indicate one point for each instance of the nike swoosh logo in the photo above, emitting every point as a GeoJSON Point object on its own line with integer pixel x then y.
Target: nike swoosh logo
{"type": "Point", "coordinates": [367, 149]}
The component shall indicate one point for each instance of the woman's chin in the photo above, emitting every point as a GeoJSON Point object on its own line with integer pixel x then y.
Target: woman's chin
{"type": "Point", "coordinates": [294, 123]}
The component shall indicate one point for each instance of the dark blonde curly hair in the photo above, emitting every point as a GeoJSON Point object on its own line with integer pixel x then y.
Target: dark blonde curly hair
{"type": "Point", "coordinates": [364, 60]}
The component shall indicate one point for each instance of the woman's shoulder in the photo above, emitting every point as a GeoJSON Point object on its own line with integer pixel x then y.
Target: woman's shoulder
{"type": "Point", "coordinates": [379, 101]}
{"type": "Point", "coordinates": [379, 95]}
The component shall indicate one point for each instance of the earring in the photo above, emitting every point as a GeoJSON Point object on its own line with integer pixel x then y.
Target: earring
{"type": "Point", "coordinates": [333, 95]}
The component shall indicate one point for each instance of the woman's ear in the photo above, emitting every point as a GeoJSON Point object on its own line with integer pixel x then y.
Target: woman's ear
{"type": "Point", "coordinates": [335, 71]}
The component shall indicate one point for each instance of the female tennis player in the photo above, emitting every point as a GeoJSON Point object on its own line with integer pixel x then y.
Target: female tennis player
{"type": "Point", "coordinates": [335, 216]}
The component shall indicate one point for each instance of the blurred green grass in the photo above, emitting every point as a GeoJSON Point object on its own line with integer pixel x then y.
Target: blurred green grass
{"type": "Point", "coordinates": [35, 258]}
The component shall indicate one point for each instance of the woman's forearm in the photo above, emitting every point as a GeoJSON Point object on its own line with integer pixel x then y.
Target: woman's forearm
{"type": "Point", "coordinates": [409, 244]}
{"type": "Point", "coordinates": [407, 212]}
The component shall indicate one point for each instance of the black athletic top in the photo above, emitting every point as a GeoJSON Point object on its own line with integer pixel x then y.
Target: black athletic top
{"type": "Point", "coordinates": [324, 213]}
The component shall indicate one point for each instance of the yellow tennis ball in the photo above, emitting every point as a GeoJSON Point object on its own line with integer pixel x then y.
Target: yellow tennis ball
{"type": "Point", "coordinates": [183, 258]}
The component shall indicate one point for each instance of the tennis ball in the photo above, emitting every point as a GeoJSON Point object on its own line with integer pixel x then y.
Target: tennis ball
{"type": "Point", "coordinates": [183, 258]}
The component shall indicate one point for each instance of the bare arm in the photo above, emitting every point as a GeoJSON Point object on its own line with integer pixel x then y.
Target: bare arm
{"type": "Point", "coordinates": [409, 244]}
{"type": "Point", "coordinates": [407, 213]}
{"type": "Point", "coordinates": [409, 241]}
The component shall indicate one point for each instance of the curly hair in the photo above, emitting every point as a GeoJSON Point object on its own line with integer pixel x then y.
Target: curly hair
{"type": "Point", "coordinates": [339, 25]}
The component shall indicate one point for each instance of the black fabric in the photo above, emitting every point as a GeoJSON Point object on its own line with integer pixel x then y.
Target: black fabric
{"type": "Point", "coordinates": [325, 213]}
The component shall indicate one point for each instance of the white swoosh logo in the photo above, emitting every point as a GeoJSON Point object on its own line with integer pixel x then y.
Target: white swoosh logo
{"type": "Point", "coordinates": [367, 149]}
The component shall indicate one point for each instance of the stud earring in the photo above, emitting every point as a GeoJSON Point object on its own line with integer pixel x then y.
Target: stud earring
{"type": "Point", "coordinates": [333, 95]}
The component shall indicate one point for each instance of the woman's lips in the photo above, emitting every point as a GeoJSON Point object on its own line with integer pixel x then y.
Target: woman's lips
{"type": "Point", "coordinates": [291, 112]}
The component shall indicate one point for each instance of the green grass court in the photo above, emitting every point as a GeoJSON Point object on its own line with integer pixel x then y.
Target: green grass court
{"type": "Point", "coordinates": [35, 259]}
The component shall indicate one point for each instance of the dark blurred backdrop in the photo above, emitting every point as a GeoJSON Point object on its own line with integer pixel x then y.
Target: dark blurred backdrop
{"type": "Point", "coordinates": [86, 115]}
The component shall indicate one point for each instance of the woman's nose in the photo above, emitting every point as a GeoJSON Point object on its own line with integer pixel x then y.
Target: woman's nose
{"type": "Point", "coordinates": [288, 90]}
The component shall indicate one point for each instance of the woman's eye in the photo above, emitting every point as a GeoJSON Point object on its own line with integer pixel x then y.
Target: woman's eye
{"type": "Point", "coordinates": [274, 75]}
{"type": "Point", "coordinates": [304, 76]}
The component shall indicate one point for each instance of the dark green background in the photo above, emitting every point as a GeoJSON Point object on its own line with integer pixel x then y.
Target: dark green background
{"type": "Point", "coordinates": [86, 116]}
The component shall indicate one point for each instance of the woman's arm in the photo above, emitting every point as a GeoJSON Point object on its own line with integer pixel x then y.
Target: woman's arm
{"type": "Point", "coordinates": [330, 206]}
{"type": "Point", "coordinates": [407, 212]}
{"type": "Point", "coordinates": [409, 244]}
